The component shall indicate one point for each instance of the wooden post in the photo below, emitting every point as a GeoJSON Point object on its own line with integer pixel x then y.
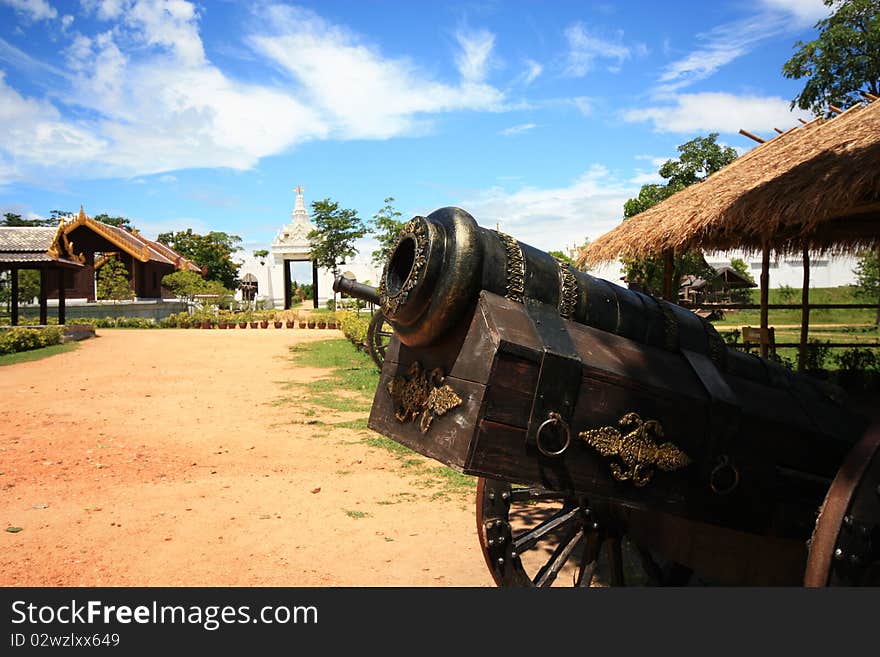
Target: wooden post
{"type": "Point", "coordinates": [288, 295]}
{"type": "Point", "coordinates": [765, 296]}
{"type": "Point", "coordinates": [805, 314]}
{"type": "Point", "coordinates": [62, 297]}
{"type": "Point", "coordinates": [314, 284]}
{"type": "Point", "coordinates": [44, 294]}
{"type": "Point", "coordinates": [14, 319]}
{"type": "Point", "coordinates": [669, 293]}
{"type": "Point", "coordinates": [878, 301]}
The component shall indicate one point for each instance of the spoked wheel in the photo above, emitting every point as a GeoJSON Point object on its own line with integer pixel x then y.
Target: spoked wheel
{"type": "Point", "coordinates": [378, 336]}
{"type": "Point", "coordinates": [537, 537]}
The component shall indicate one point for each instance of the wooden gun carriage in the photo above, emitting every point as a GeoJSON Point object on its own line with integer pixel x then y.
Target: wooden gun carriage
{"type": "Point", "coordinates": [615, 436]}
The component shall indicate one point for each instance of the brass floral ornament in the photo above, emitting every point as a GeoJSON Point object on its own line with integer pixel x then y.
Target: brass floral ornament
{"type": "Point", "coordinates": [421, 394]}
{"type": "Point", "coordinates": [639, 454]}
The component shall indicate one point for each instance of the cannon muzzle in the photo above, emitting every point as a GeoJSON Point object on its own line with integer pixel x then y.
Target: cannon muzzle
{"type": "Point", "coordinates": [355, 289]}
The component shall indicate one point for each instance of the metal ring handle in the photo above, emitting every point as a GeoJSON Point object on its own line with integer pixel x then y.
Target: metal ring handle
{"type": "Point", "coordinates": [554, 418]}
{"type": "Point", "coordinates": [725, 463]}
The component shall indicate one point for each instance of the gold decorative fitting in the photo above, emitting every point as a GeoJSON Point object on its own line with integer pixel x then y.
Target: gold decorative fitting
{"type": "Point", "coordinates": [568, 291]}
{"type": "Point", "coordinates": [516, 268]}
{"type": "Point", "coordinates": [416, 230]}
{"type": "Point", "coordinates": [639, 454]}
{"type": "Point", "coordinates": [423, 395]}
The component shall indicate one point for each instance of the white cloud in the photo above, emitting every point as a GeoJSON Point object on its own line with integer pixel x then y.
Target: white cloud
{"type": "Point", "coordinates": [719, 47]}
{"type": "Point", "coordinates": [806, 12]}
{"type": "Point", "coordinates": [36, 10]}
{"type": "Point", "coordinates": [155, 103]}
{"type": "Point", "coordinates": [646, 178]}
{"type": "Point", "coordinates": [363, 94]}
{"type": "Point", "coordinates": [584, 48]}
{"type": "Point", "coordinates": [518, 129]}
{"type": "Point", "coordinates": [533, 70]}
{"type": "Point", "coordinates": [584, 104]}
{"type": "Point", "coordinates": [474, 58]}
{"type": "Point", "coordinates": [729, 41]}
{"type": "Point", "coordinates": [555, 218]}
{"type": "Point", "coordinates": [718, 112]}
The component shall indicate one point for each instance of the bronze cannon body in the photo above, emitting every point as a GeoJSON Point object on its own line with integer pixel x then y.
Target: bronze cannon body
{"type": "Point", "coordinates": [606, 425]}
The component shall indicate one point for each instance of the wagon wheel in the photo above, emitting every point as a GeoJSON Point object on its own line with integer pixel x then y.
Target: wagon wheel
{"type": "Point", "coordinates": [378, 336]}
{"type": "Point", "coordinates": [537, 537]}
{"type": "Point", "coordinates": [845, 546]}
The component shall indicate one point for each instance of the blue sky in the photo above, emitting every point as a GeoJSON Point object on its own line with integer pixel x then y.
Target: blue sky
{"type": "Point", "coordinates": [540, 117]}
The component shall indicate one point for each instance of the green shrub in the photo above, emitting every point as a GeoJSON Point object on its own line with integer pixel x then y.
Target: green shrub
{"type": "Point", "coordinates": [353, 326]}
{"type": "Point", "coordinates": [24, 339]}
{"type": "Point", "coordinates": [857, 359]}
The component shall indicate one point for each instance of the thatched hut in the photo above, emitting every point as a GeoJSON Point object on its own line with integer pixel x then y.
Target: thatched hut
{"type": "Point", "coordinates": [815, 187]}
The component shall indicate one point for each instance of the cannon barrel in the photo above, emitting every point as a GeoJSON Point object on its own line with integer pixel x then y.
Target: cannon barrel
{"type": "Point", "coordinates": [357, 290]}
{"type": "Point", "coordinates": [441, 263]}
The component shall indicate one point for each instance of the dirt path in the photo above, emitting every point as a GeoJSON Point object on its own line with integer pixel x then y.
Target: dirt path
{"type": "Point", "coordinates": [157, 458]}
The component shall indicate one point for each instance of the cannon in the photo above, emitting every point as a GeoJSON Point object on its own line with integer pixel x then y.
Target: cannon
{"type": "Point", "coordinates": [616, 437]}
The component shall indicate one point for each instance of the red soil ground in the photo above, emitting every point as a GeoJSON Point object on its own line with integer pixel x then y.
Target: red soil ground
{"type": "Point", "coordinates": [167, 458]}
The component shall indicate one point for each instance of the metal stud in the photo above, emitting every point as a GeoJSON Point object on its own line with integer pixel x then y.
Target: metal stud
{"type": "Point", "coordinates": [500, 561]}
{"type": "Point", "coordinates": [595, 525]}
{"type": "Point", "coordinates": [491, 495]}
{"type": "Point", "coordinates": [505, 495]}
{"type": "Point", "coordinates": [838, 554]}
{"type": "Point", "coordinates": [848, 521]}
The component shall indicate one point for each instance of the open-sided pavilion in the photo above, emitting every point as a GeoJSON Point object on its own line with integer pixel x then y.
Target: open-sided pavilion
{"type": "Point", "coordinates": [812, 188]}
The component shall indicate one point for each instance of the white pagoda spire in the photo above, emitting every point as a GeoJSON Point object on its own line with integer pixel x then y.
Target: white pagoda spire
{"type": "Point", "coordinates": [299, 214]}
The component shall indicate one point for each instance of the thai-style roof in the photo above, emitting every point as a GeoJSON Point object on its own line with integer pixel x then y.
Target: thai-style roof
{"type": "Point", "coordinates": [130, 241]}
{"type": "Point", "coordinates": [30, 245]}
{"type": "Point", "coordinates": [815, 186]}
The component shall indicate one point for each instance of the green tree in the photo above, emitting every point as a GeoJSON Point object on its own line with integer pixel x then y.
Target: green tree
{"type": "Point", "coordinates": [15, 220]}
{"type": "Point", "coordinates": [698, 159]}
{"type": "Point", "coordinates": [212, 251]}
{"type": "Point", "coordinates": [336, 231]}
{"type": "Point", "coordinates": [113, 281]}
{"type": "Point", "coordinates": [187, 285]}
{"type": "Point", "coordinates": [386, 227]}
{"type": "Point", "coordinates": [842, 61]}
{"type": "Point", "coordinates": [867, 273]}
{"type": "Point", "coordinates": [261, 255]}
{"type": "Point", "coordinates": [119, 222]}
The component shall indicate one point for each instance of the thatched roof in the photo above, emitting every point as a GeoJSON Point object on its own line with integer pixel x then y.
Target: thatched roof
{"type": "Point", "coordinates": [814, 186]}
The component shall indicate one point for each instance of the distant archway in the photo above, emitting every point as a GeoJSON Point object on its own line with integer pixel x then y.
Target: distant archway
{"type": "Point", "coordinates": [292, 245]}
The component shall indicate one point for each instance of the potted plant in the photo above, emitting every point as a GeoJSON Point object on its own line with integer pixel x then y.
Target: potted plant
{"type": "Point", "coordinates": [310, 321]}
{"type": "Point", "coordinates": [276, 320]}
{"type": "Point", "coordinates": [289, 320]}
{"type": "Point", "coordinates": [243, 319]}
{"type": "Point", "coordinates": [322, 322]}
{"type": "Point", "coordinates": [264, 321]}
{"type": "Point", "coordinates": [301, 319]}
{"type": "Point", "coordinates": [331, 321]}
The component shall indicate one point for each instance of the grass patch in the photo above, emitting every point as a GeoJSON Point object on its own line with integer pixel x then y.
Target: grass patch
{"type": "Point", "coordinates": [356, 514]}
{"type": "Point", "coordinates": [843, 294]}
{"type": "Point", "coordinates": [359, 424]}
{"type": "Point", "coordinates": [351, 373]}
{"type": "Point", "coordinates": [37, 354]}
{"type": "Point", "coordinates": [350, 386]}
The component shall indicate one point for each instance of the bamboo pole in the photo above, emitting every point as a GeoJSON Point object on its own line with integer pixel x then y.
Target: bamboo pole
{"type": "Point", "coordinates": [805, 314]}
{"type": "Point", "coordinates": [765, 296]}
{"type": "Point", "coordinates": [748, 134]}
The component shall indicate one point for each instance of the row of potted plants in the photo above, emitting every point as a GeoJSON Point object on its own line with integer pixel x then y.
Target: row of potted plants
{"type": "Point", "coordinates": [206, 319]}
